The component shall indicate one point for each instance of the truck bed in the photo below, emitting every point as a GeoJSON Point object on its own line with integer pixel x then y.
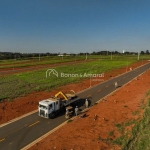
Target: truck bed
{"type": "Point", "coordinates": [70, 96]}
{"type": "Point", "coordinates": [71, 100]}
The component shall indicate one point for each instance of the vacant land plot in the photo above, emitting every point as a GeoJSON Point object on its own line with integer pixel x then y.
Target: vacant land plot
{"type": "Point", "coordinates": [20, 84]}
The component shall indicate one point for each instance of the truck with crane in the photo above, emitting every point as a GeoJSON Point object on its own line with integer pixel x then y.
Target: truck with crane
{"type": "Point", "coordinates": [49, 108]}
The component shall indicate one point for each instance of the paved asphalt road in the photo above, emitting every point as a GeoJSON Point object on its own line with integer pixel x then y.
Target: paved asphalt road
{"type": "Point", "coordinates": [20, 133]}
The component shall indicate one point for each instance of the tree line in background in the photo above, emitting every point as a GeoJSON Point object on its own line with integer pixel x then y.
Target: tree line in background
{"type": "Point", "coordinates": [16, 55]}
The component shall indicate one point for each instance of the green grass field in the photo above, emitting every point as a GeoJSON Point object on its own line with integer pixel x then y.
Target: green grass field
{"type": "Point", "coordinates": [15, 63]}
{"type": "Point", "coordinates": [24, 83]}
{"type": "Point", "coordinates": [35, 62]}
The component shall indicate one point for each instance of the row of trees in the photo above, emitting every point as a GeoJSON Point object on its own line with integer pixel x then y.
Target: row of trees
{"type": "Point", "coordinates": [11, 55]}
{"type": "Point", "coordinates": [116, 52]}
{"type": "Point", "coordinates": [145, 52]}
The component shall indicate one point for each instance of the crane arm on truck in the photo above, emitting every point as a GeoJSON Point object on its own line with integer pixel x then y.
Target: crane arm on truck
{"type": "Point", "coordinates": [61, 93]}
{"type": "Point", "coordinates": [66, 96]}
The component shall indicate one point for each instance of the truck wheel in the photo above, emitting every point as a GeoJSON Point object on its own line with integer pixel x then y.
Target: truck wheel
{"type": "Point", "coordinates": [52, 115]}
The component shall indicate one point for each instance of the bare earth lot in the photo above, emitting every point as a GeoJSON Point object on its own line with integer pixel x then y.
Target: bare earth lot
{"type": "Point", "coordinates": [23, 105]}
{"type": "Point", "coordinates": [87, 134]}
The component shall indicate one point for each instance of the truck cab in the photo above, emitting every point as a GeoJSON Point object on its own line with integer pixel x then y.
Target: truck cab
{"type": "Point", "coordinates": [48, 108]}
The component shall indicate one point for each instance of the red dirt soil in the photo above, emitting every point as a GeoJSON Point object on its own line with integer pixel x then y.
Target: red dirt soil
{"type": "Point", "coordinates": [87, 134]}
{"type": "Point", "coordinates": [26, 104]}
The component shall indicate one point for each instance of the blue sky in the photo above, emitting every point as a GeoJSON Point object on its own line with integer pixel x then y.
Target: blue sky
{"type": "Point", "coordinates": [74, 26]}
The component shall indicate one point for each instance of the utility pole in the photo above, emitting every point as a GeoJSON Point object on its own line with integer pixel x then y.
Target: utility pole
{"type": "Point", "coordinates": [138, 55]}
{"type": "Point", "coordinates": [39, 57]}
{"type": "Point", "coordinates": [86, 57]}
{"type": "Point", "coordinates": [15, 57]}
{"type": "Point", "coordinates": [111, 55]}
{"type": "Point", "coordinates": [60, 53]}
{"type": "Point", "coordinates": [75, 57]}
{"type": "Point", "coordinates": [59, 50]}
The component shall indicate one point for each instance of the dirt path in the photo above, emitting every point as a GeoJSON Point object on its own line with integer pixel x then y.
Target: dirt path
{"type": "Point", "coordinates": [23, 105]}
{"type": "Point", "coordinates": [87, 134]}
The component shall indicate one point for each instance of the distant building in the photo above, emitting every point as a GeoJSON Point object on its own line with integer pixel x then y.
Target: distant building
{"type": "Point", "coordinates": [123, 51]}
{"type": "Point", "coordinates": [61, 55]}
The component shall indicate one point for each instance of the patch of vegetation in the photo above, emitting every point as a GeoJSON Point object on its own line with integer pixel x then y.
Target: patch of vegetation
{"type": "Point", "coordinates": [130, 122]}
{"type": "Point", "coordinates": [111, 133]}
{"type": "Point", "coordinates": [148, 104]}
{"type": "Point", "coordinates": [139, 137]}
{"type": "Point", "coordinates": [69, 120]}
{"type": "Point", "coordinates": [135, 113]}
{"type": "Point", "coordinates": [119, 140]}
{"type": "Point", "coordinates": [148, 93]}
{"type": "Point", "coordinates": [120, 127]}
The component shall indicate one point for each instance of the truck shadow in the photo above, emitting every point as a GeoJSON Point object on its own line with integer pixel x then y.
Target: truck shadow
{"type": "Point", "coordinates": [80, 103]}
{"type": "Point", "coordinates": [118, 86]}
